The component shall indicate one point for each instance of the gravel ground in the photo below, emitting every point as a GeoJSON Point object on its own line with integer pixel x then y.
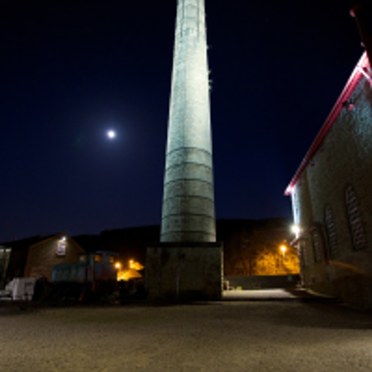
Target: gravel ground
{"type": "Point", "coordinates": [219, 336]}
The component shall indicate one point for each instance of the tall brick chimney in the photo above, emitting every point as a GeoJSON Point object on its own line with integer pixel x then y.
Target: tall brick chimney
{"type": "Point", "coordinates": [187, 264]}
{"type": "Point", "coordinates": [188, 201]}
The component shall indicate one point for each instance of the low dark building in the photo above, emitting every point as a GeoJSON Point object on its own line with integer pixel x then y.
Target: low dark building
{"type": "Point", "coordinates": [36, 256]}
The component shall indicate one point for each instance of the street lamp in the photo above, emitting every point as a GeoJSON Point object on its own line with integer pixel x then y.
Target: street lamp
{"type": "Point", "coordinates": [296, 230]}
{"type": "Point", "coordinates": [283, 249]}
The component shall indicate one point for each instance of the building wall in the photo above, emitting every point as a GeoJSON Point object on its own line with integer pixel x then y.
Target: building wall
{"type": "Point", "coordinates": [4, 261]}
{"type": "Point", "coordinates": [331, 262]}
{"type": "Point", "coordinates": [43, 255]}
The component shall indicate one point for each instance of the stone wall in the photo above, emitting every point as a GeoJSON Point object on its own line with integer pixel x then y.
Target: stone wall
{"type": "Point", "coordinates": [332, 202]}
{"type": "Point", "coordinates": [184, 272]}
{"type": "Point", "coordinates": [262, 281]}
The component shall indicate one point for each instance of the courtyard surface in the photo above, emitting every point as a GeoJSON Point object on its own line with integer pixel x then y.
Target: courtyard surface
{"type": "Point", "coordinates": [280, 334]}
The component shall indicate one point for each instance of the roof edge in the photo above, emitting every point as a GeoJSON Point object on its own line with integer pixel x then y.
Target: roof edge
{"type": "Point", "coordinates": [330, 120]}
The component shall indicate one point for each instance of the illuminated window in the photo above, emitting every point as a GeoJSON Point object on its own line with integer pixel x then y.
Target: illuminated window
{"type": "Point", "coordinates": [61, 247]}
{"type": "Point", "coordinates": [355, 221]}
{"type": "Point", "coordinates": [330, 232]}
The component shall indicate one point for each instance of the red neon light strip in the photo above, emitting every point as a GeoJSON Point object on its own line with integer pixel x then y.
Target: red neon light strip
{"type": "Point", "coordinates": [331, 118]}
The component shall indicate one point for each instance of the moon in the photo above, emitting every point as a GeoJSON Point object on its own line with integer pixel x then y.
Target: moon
{"type": "Point", "coordinates": [111, 134]}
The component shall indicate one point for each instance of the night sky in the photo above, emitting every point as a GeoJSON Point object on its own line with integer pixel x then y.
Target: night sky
{"type": "Point", "coordinates": [72, 70]}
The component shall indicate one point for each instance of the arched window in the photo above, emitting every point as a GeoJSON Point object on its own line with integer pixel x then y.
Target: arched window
{"type": "Point", "coordinates": [302, 254]}
{"type": "Point", "coordinates": [317, 243]}
{"type": "Point", "coordinates": [355, 220]}
{"type": "Point", "coordinates": [330, 228]}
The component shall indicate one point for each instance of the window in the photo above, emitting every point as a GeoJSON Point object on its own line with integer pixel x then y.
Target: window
{"type": "Point", "coordinates": [316, 239]}
{"type": "Point", "coordinates": [330, 228]}
{"type": "Point", "coordinates": [61, 247]}
{"type": "Point", "coordinates": [302, 254]}
{"type": "Point", "coordinates": [355, 220]}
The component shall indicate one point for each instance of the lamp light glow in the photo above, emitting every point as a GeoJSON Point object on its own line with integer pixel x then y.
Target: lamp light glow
{"type": "Point", "coordinates": [283, 248]}
{"type": "Point", "coordinates": [296, 229]}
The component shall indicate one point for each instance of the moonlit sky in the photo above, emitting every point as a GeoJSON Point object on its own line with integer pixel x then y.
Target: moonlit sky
{"type": "Point", "coordinates": [72, 70]}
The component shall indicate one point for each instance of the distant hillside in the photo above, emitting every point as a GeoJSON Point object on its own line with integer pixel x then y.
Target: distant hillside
{"type": "Point", "coordinates": [245, 241]}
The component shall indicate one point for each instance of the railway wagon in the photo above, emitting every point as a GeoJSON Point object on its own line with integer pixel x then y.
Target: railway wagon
{"type": "Point", "coordinates": [94, 276]}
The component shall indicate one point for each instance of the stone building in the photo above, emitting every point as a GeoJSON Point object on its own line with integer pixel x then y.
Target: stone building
{"type": "Point", "coordinates": [332, 200]}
